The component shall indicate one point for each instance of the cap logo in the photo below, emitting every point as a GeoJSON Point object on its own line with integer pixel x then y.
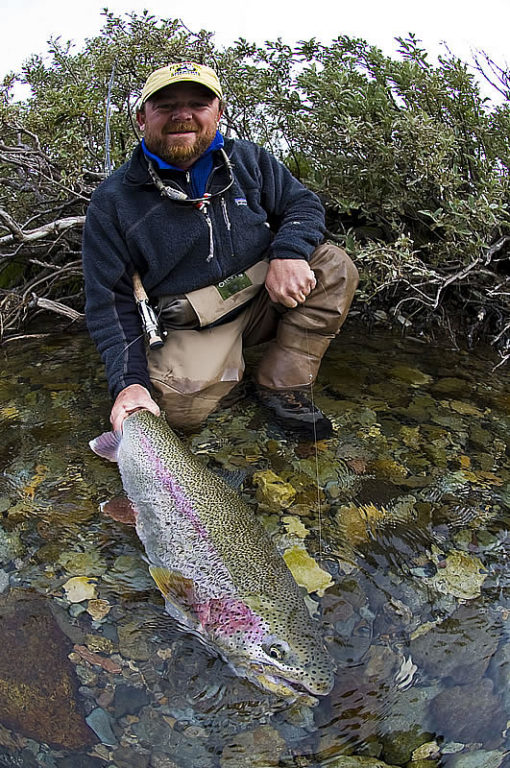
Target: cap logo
{"type": "Point", "coordinates": [186, 68]}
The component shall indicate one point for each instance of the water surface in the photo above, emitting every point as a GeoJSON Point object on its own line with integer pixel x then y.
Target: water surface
{"type": "Point", "coordinates": [405, 510]}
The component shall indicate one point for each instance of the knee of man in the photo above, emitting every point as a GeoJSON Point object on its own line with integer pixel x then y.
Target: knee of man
{"type": "Point", "coordinates": [334, 265]}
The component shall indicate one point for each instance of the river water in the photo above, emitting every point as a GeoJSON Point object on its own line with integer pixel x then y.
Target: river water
{"type": "Point", "coordinates": [404, 514]}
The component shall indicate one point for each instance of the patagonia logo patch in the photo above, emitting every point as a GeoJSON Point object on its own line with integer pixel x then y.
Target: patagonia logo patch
{"type": "Point", "coordinates": [241, 201]}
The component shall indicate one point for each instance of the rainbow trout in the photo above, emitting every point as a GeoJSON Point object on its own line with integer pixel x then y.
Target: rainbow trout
{"type": "Point", "coordinates": [214, 562]}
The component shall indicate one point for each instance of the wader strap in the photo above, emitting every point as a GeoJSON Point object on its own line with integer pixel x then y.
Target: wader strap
{"type": "Point", "coordinates": [215, 301]}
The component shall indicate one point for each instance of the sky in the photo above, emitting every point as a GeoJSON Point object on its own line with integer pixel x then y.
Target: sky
{"type": "Point", "coordinates": [28, 24]}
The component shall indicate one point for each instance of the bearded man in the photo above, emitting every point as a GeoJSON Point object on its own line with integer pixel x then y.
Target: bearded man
{"type": "Point", "coordinates": [228, 246]}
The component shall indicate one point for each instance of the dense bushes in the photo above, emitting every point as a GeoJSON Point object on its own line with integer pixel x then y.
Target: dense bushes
{"type": "Point", "coordinates": [410, 160]}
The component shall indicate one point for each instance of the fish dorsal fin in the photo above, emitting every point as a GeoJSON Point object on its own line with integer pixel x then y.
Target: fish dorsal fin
{"type": "Point", "coordinates": [107, 445]}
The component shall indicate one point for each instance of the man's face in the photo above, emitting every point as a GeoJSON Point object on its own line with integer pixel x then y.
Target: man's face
{"type": "Point", "coordinates": [179, 122]}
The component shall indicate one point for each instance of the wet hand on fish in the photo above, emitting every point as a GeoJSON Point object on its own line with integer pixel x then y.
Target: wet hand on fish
{"type": "Point", "coordinates": [132, 398]}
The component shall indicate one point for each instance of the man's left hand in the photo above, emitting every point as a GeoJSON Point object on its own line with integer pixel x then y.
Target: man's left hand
{"type": "Point", "coordinates": [289, 281]}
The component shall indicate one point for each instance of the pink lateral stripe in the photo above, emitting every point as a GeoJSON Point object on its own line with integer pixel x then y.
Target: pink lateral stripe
{"type": "Point", "coordinates": [177, 493]}
{"type": "Point", "coordinates": [226, 616]}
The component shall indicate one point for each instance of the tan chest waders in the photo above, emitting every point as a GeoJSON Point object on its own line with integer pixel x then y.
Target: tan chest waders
{"type": "Point", "coordinates": [214, 303]}
{"type": "Point", "coordinates": [197, 367]}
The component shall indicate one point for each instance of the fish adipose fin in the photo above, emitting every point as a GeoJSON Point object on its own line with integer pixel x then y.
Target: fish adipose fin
{"type": "Point", "coordinates": [107, 445]}
{"type": "Point", "coordinates": [178, 591]}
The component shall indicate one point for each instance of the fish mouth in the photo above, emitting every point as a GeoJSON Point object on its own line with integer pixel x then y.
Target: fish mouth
{"type": "Point", "coordinates": [270, 680]}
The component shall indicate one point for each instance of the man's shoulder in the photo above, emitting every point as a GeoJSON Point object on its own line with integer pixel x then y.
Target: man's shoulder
{"type": "Point", "coordinates": [116, 180]}
{"type": "Point", "coordinates": [249, 154]}
{"type": "Point", "coordinates": [111, 183]}
{"type": "Point", "coordinates": [243, 148]}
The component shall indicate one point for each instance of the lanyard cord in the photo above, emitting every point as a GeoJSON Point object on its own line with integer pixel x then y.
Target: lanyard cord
{"type": "Point", "coordinates": [181, 197]}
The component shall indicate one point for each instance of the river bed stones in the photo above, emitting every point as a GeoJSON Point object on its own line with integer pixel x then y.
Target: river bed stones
{"type": "Point", "coordinates": [452, 713]}
{"type": "Point", "coordinates": [38, 685]}
{"type": "Point", "coordinates": [460, 647]}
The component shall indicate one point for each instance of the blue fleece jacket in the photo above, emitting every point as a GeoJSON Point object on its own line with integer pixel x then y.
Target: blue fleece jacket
{"type": "Point", "coordinates": [177, 247]}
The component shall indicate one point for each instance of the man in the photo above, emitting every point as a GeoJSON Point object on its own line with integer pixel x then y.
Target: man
{"type": "Point", "coordinates": [226, 242]}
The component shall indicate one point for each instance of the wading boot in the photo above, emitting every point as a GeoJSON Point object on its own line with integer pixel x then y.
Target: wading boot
{"type": "Point", "coordinates": [294, 410]}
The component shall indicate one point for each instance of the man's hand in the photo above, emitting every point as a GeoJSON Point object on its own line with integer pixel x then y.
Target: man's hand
{"type": "Point", "coordinates": [289, 281]}
{"type": "Point", "coordinates": [131, 399]}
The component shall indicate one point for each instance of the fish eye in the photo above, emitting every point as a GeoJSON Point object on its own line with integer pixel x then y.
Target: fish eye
{"type": "Point", "coordinates": [276, 651]}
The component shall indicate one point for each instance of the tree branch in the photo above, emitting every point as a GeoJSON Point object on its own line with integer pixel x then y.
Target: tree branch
{"type": "Point", "coordinates": [53, 228]}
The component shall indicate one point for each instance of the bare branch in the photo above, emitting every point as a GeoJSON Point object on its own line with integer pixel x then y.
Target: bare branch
{"type": "Point", "coordinates": [53, 228]}
{"type": "Point", "coordinates": [56, 306]}
{"type": "Point", "coordinates": [15, 229]}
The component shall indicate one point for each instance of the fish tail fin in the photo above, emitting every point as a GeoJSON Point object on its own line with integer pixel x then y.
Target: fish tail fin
{"type": "Point", "coordinates": [107, 445]}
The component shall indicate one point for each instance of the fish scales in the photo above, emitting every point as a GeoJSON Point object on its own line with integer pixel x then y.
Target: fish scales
{"type": "Point", "coordinates": [215, 562]}
{"type": "Point", "coordinates": [221, 512]}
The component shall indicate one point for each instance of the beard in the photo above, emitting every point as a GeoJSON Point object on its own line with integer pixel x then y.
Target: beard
{"type": "Point", "coordinates": [179, 150]}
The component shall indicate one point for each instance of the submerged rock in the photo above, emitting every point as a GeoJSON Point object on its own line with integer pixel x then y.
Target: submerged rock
{"type": "Point", "coordinates": [80, 761]}
{"type": "Point", "coordinates": [460, 647]}
{"type": "Point", "coordinates": [306, 571]}
{"type": "Point", "coordinates": [477, 759]}
{"type": "Point", "coordinates": [358, 761]}
{"type": "Point", "coordinates": [259, 748]}
{"type": "Point", "coordinates": [462, 575]}
{"type": "Point", "coordinates": [469, 713]}
{"type": "Point", "coordinates": [128, 700]}
{"type": "Point", "coordinates": [4, 580]}
{"type": "Point", "coordinates": [100, 722]}
{"type": "Point", "coordinates": [38, 685]}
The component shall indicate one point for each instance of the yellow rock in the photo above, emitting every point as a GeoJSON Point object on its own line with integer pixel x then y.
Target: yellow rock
{"type": "Point", "coordinates": [389, 468]}
{"type": "Point", "coordinates": [465, 409]}
{"type": "Point", "coordinates": [410, 375]}
{"type": "Point", "coordinates": [272, 490]}
{"type": "Point", "coordinates": [411, 436]}
{"type": "Point", "coordinates": [98, 609]}
{"type": "Point", "coordinates": [99, 644]}
{"type": "Point", "coordinates": [462, 575]}
{"type": "Point", "coordinates": [40, 473]}
{"type": "Point", "coordinates": [306, 571]}
{"type": "Point", "coordinates": [295, 526]}
{"type": "Point", "coordinates": [356, 523]}
{"type": "Point", "coordinates": [489, 478]}
{"type": "Point", "coordinates": [430, 749]}
{"type": "Point", "coordinates": [9, 412]}
{"type": "Point", "coordinates": [484, 479]}
{"type": "Point", "coordinates": [80, 588]}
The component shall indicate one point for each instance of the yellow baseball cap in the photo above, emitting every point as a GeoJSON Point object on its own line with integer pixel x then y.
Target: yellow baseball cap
{"type": "Point", "coordinates": [184, 71]}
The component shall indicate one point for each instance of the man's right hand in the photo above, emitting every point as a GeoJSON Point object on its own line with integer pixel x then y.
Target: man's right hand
{"type": "Point", "coordinates": [131, 399]}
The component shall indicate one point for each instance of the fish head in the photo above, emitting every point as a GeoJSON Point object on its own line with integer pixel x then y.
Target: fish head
{"type": "Point", "coordinates": [278, 648]}
{"type": "Point", "coordinates": [297, 658]}
{"type": "Point", "coordinates": [299, 667]}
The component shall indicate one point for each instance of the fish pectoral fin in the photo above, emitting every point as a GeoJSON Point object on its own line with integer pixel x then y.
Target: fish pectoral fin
{"type": "Point", "coordinates": [179, 594]}
{"type": "Point", "coordinates": [121, 509]}
{"type": "Point", "coordinates": [174, 587]}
